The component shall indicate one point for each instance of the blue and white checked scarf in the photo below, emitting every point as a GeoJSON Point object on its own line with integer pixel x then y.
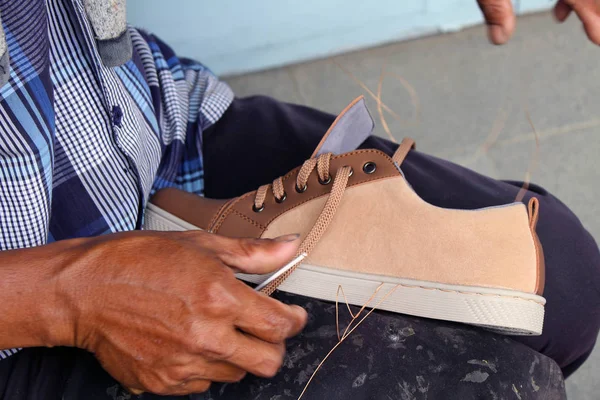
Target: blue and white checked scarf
{"type": "Point", "coordinates": [83, 145]}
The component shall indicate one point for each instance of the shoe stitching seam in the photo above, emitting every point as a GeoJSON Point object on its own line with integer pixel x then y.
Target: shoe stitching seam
{"type": "Point", "coordinates": [316, 196]}
{"type": "Point", "coordinates": [462, 292]}
{"type": "Point", "coordinates": [250, 220]}
{"type": "Point", "coordinates": [291, 175]}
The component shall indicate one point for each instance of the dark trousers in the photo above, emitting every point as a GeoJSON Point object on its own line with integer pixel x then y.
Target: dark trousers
{"type": "Point", "coordinates": [390, 356]}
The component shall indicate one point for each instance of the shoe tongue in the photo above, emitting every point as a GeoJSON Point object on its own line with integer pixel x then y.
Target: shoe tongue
{"type": "Point", "coordinates": [348, 131]}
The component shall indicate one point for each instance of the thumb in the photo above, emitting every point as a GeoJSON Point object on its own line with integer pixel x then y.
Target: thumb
{"type": "Point", "coordinates": [500, 19]}
{"type": "Point", "coordinates": [587, 11]}
{"type": "Point", "coordinates": [255, 256]}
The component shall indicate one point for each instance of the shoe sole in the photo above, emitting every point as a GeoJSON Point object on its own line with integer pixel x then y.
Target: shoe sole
{"type": "Point", "coordinates": [503, 311]}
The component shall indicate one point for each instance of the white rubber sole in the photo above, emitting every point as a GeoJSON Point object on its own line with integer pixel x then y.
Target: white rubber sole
{"type": "Point", "coordinates": [157, 219]}
{"type": "Point", "coordinates": [503, 311]}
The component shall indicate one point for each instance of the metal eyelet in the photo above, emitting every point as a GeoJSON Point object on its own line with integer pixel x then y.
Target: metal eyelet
{"type": "Point", "coordinates": [369, 167]}
{"type": "Point", "coordinates": [282, 199]}
{"type": "Point", "coordinates": [351, 170]}
{"type": "Point", "coordinates": [257, 210]}
{"type": "Point", "coordinates": [301, 190]}
{"type": "Point", "coordinates": [326, 181]}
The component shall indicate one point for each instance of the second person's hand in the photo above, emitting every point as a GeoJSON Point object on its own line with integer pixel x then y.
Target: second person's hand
{"type": "Point", "coordinates": [500, 17]}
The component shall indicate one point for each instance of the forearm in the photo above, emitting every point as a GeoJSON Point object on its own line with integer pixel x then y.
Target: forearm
{"type": "Point", "coordinates": [32, 308]}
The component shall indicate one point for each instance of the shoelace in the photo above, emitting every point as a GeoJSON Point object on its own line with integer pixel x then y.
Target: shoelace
{"type": "Point", "coordinates": [340, 182]}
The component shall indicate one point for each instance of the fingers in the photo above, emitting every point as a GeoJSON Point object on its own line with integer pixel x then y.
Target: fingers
{"type": "Point", "coordinates": [252, 256]}
{"type": "Point", "coordinates": [194, 376]}
{"type": "Point", "coordinates": [254, 355]}
{"type": "Point", "coordinates": [589, 13]}
{"type": "Point", "coordinates": [194, 386]}
{"type": "Point", "coordinates": [500, 19]}
{"type": "Point", "coordinates": [562, 10]}
{"type": "Point", "coordinates": [214, 371]}
{"type": "Point", "coordinates": [266, 318]}
{"type": "Point", "coordinates": [183, 388]}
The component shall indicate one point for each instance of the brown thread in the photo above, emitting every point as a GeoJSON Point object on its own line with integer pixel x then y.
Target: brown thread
{"type": "Point", "coordinates": [250, 220]}
{"type": "Point", "coordinates": [533, 162]}
{"type": "Point", "coordinates": [354, 317]}
{"type": "Point", "coordinates": [386, 128]}
{"type": "Point", "coordinates": [484, 148]}
{"type": "Point", "coordinates": [225, 213]}
{"type": "Point", "coordinates": [219, 214]}
{"type": "Point", "coordinates": [347, 333]}
{"type": "Point", "coordinates": [397, 117]}
{"type": "Point", "coordinates": [228, 209]}
{"type": "Point", "coordinates": [502, 296]}
{"type": "Point", "coordinates": [409, 88]}
{"type": "Point", "coordinates": [414, 96]}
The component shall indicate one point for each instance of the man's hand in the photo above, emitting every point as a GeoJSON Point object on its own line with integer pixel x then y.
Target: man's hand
{"type": "Point", "coordinates": [500, 18]}
{"type": "Point", "coordinates": [162, 311]}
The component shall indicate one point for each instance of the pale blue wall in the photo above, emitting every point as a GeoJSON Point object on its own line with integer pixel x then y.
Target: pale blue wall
{"type": "Point", "coordinates": [234, 36]}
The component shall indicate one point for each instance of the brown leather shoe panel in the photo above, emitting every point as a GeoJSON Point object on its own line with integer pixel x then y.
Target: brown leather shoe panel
{"type": "Point", "coordinates": [239, 225]}
{"type": "Point", "coordinates": [533, 209]}
{"type": "Point", "coordinates": [541, 265]}
{"type": "Point", "coordinates": [385, 168]}
{"type": "Point", "coordinates": [196, 210]}
{"type": "Point", "coordinates": [384, 228]}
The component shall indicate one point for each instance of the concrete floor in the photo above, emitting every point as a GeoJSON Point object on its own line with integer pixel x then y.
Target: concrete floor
{"type": "Point", "coordinates": [466, 101]}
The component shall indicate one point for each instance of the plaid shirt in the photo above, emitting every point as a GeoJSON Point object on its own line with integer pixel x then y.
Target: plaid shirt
{"type": "Point", "coordinates": [82, 146]}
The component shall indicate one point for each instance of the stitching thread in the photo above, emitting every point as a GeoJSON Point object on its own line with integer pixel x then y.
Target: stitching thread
{"type": "Point", "coordinates": [247, 219]}
{"type": "Point", "coordinates": [461, 292]}
{"type": "Point", "coordinates": [217, 215]}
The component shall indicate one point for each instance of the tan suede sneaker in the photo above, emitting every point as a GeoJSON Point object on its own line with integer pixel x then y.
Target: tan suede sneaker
{"type": "Point", "coordinates": [365, 229]}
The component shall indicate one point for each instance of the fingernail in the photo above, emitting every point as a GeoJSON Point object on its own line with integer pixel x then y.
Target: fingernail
{"type": "Point", "coordinates": [288, 238]}
{"type": "Point", "coordinates": [497, 34]}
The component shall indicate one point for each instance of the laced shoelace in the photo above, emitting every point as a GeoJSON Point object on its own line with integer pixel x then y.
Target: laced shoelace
{"type": "Point", "coordinates": [340, 183]}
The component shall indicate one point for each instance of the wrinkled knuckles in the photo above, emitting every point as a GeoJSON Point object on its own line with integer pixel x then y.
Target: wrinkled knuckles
{"type": "Point", "coordinates": [277, 328]}
{"type": "Point", "coordinates": [219, 348]}
{"type": "Point", "coordinates": [195, 337]}
{"type": "Point", "coordinates": [179, 375]}
{"type": "Point", "coordinates": [217, 300]}
{"type": "Point", "coordinates": [153, 385]}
